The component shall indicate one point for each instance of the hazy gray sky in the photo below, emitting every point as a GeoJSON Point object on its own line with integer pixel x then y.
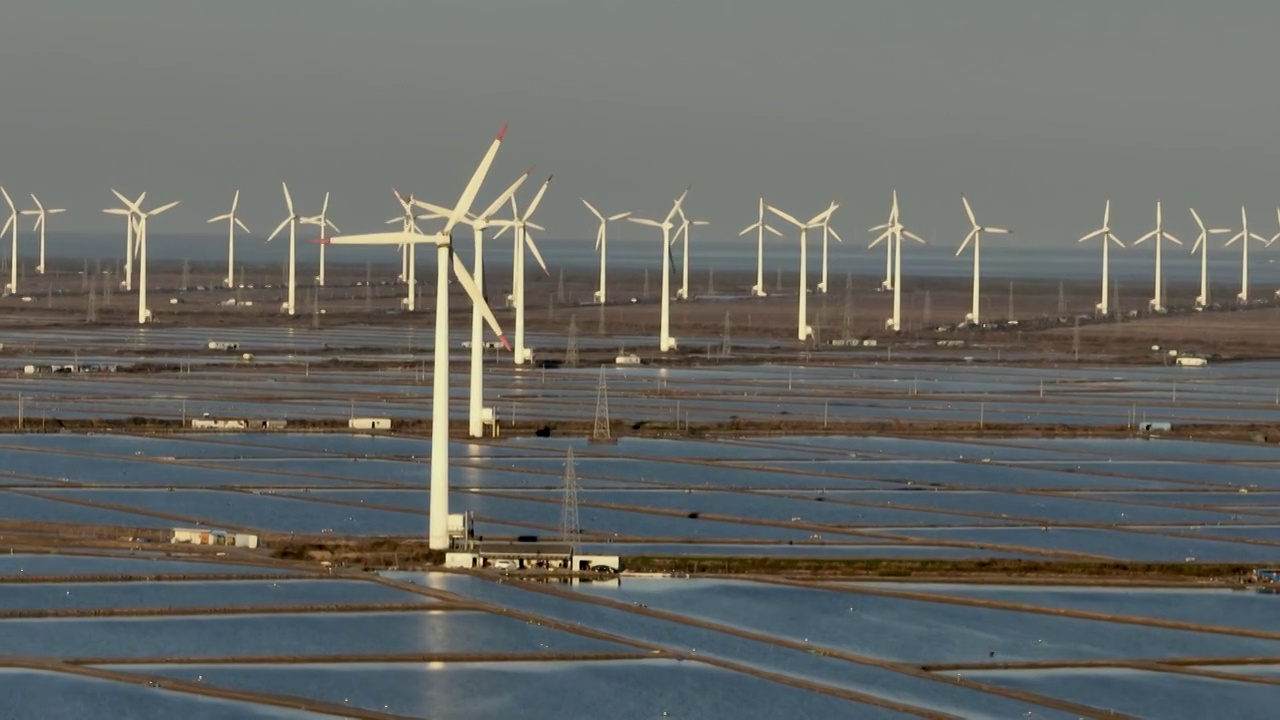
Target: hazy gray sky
{"type": "Point", "coordinates": [1036, 110]}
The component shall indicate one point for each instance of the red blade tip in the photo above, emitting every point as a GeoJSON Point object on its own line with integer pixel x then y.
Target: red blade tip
{"type": "Point", "coordinates": [505, 344]}
{"type": "Point", "coordinates": [321, 241]}
{"type": "Point", "coordinates": [503, 132]}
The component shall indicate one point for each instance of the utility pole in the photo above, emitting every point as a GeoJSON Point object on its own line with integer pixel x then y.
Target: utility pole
{"type": "Point", "coordinates": [571, 349]}
{"type": "Point", "coordinates": [570, 528]}
{"type": "Point", "coordinates": [726, 344]}
{"type": "Point", "coordinates": [186, 273]}
{"type": "Point", "coordinates": [1062, 298]}
{"type": "Point", "coordinates": [600, 432]}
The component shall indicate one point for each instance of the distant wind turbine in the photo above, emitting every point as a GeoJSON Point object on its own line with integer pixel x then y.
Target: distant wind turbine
{"type": "Point", "coordinates": [683, 229]}
{"type": "Point", "coordinates": [41, 212]}
{"type": "Point", "coordinates": [803, 330]}
{"type": "Point", "coordinates": [140, 246]}
{"type": "Point", "coordinates": [291, 222]}
{"type": "Point", "coordinates": [1202, 244]}
{"type": "Point", "coordinates": [760, 226]}
{"type": "Point", "coordinates": [893, 232]}
{"type": "Point", "coordinates": [975, 235]}
{"type": "Point", "coordinates": [325, 224]}
{"type": "Point", "coordinates": [1245, 236]}
{"type": "Point", "coordinates": [520, 225]}
{"type": "Point", "coordinates": [232, 222]}
{"type": "Point", "coordinates": [11, 225]}
{"type": "Point", "coordinates": [666, 343]}
{"type": "Point", "coordinates": [827, 232]}
{"type": "Point", "coordinates": [602, 244]}
{"type": "Point", "coordinates": [1159, 233]}
{"type": "Point", "coordinates": [1105, 233]}
{"type": "Point", "coordinates": [408, 251]}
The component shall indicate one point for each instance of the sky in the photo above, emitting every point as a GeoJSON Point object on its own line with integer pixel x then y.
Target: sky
{"type": "Point", "coordinates": [1038, 111]}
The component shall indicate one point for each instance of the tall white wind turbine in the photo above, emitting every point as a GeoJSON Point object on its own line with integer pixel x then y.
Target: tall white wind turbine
{"type": "Point", "coordinates": [232, 223]}
{"type": "Point", "coordinates": [602, 245]}
{"type": "Point", "coordinates": [11, 225]}
{"type": "Point", "coordinates": [291, 222]}
{"type": "Point", "coordinates": [975, 236]}
{"type": "Point", "coordinates": [130, 211]}
{"type": "Point", "coordinates": [893, 232]}
{"type": "Point", "coordinates": [438, 538]}
{"type": "Point", "coordinates": [1157, 297]}
{"type": "Point", "coordinates": [1104, 232]}
{"type": "Point", "coordinates": [683, 229]}
{"type": "Point", "coordinates": [666, 343]}
{"type": "Point", "coordinates": [760, 226]}
{"type": "Point", "coordinates": [520, 224]}
{"type": "Point", "coordinates": [144, 313]}
{"type": "Point", "coordinates": [325, 225]}
{"type": "Point", "coordinates": [886, 235]}
{"type": "Point", "coordinates": [1202, 244]}
{"type": "Point", "coordinates": [1244, 236]}
{"type": "Point", "coordinates": [827, 233]}
{"type": "Point", "coordinates": [804, 331]}
{"type": "Point", "coordinates": [478, 223]}
{"type": "Point", "coordinates": [41, 213]}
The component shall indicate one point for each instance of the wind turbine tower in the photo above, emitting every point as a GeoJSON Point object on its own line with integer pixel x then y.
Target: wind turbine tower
{"type": "Point", "coordinates": [893, 233]}
{"type": "Point", "coordinates": [803, 330]}
{"type": "Point", "coordinates": [41, 212]}
{"type": "Point", "coordinates": [827, 233]}
{"type": "Point", "coordinates": [975, 236]}
{"type": "Point", "coordinates": [232, 222]}
{"type": "Point", "coordinates": [325, 224]}
{"type": "Point", "coordinates": [1105, 233]}
{"type": "Point", "coordinates": [291, 222]}
{"type": "Point", "coordinates": [685, 222]}
{"type": "Point", "coordinates": [1244, 236]}
{"type": "Point", "coordinates": [520, 225]}
{"type": "Point", "coordinates": [1158, 234]}
{"type": "Point", "coordinates": [602, 244]}
{"type": "Point", "coordinates": [760, 226]}
{"type": "Point", "coordinates": [666, 343]}
{"type": "Point", "coordinates": [11, 225]}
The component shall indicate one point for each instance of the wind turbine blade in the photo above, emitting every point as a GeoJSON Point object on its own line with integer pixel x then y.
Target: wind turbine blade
{"type": "Point", "coordinates": [883, 236]}
{"type": "Point", "coordinates": [114, 211]}
{"type": "Point", "coordinates": [505, 227]}
{"type": "Point", "coordinates": [1200, 223]}
{"type": "Point", "coordinates": [432, 208]}
{"type": "Point", "coordinates": [163, 208]}
{"type": "Point", "coordinates": [123, 199]}
{"type": "Point", "coordinates": [535, 226]}
{"type": "Point", "coordinates": [893, 211]}
{"type": "Point", "coordinates": [55, 211]}
{"type": "Point", "coordinates": [619, 216]}
{"type": "Point", "coordinates": [219, 218]}
{"type": "Point", "coordinates": [7, 223]}
{"type": "Point", "coordinates": [242, 226]}
{"type": "Point", "coordinates": [592, 209]}
{"type": "Point", "coordinates": [537, 199]}
{"type": "Point", "coordinates": [386, 238]}
{"type": "Point", "coordinates": [679, 201]}
{"type": "Point", "coordinates": [1228, 243]}
{"type": "Point", "coordinates": [834, 234]}
{"type": "Point", "coordinates": [1144, 238]}
{"type": "Point", "coordinates": [881, 226]}
{"type": "Point", "coordinates": [1171, 238]}
{"type": "Point", "coordinates": [997, 231]}
{"type": "Point", "coordinates": [1199, 241]}
{"type": "Point", "coordinates": [599, 236]}
{"type": "Point", "coordinates": [772, 230]}
{"type": "Point", "coordinates": [36, 200]}
{"type": "Point", "coordinates": [785, 216]}
{"type": "Point", "coordinates": [473, 186]}
{"type": "Point", "coordinates": [39, 221]}
{"type": "Point", "coordinates": [1092, 235]}
{"type": "Point", "coordinates": [646, 221]}
{"type": "Point", "coordinates": [469, 285]}
{"type": "Point", "coordinates": [912, 236]}
{"type": "Point", "coordinates": [501, 199]}
{"type": "Point", "coordinates": [324, 209]}
{"type": "Point", "coordinates": [748, 229]}
{"type": "Point", "coordinates": [1114, 239]}
{"type": "Point", "coordinates": [1106, 214]}
{"type": "Point", "coordinates": [331, 225]}
{"type": "Point", "coordinates": [235, 202]}
{"type": "Point", "coordinates": [968, 211]}
{"type": "Point", "coordinates": [967, 238]}
{"type": "Point", "coordinates": [1257, 237]}
{"type": "Point", "coordinates": [283, 224]}
{"type": "Point", "coordinates": [528, 240]}
{"type": "Point", "coordinates": [288, 200]}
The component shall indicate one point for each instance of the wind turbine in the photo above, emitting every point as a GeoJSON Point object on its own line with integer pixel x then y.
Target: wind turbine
{"type": "Point", "coordinates": [827, 232]}
{"type": "Point", "coordinates": [601, 244]}
{"type": "Point", "coordinates": [325, 223]}
{"type": "Point", "coordinates": [887, 283]}
{"type": "Point", "coordinates": [291, 221]}
{"type": "Point", "coordinates": [129, 210]}
{"type": "Point", "coordinates": [232, 222]}
{"type": "Point", "coordinates": [804, 331]}
{"type": "Point", "coordinates": [144, 313]}
{"type": "Point", "coordinates": [12, 225]}
{"type": "Point", "coordinates": [479, 223]}
{"type": "Point", "coordinates": [41, 212]}
{"type": "Point", "coordinates": [1244, 235]}
{"type": "Point", "coordinates": [759, 226]}
{"type": "Point", "coordinates": [438, 538]}
{"type": "Point", "coordinates": [666, 343]}
{"type": "Point", "coordinates": [683, 292]}
{"type": "Point", "coordinates": [408, 251]}
{"type": "Point", "coordinates": [1157, 297]}
{"type": "Point", "coordinates": [1202, 244]}
{"type": "Point", "coordinates": [975, 235]}
{"type": "Point", "coordinates": [893, 232]}
{"type": "Point", "coordinates": [520, 224]}
{"type": "Point", "coordinates": [1105, 233]}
